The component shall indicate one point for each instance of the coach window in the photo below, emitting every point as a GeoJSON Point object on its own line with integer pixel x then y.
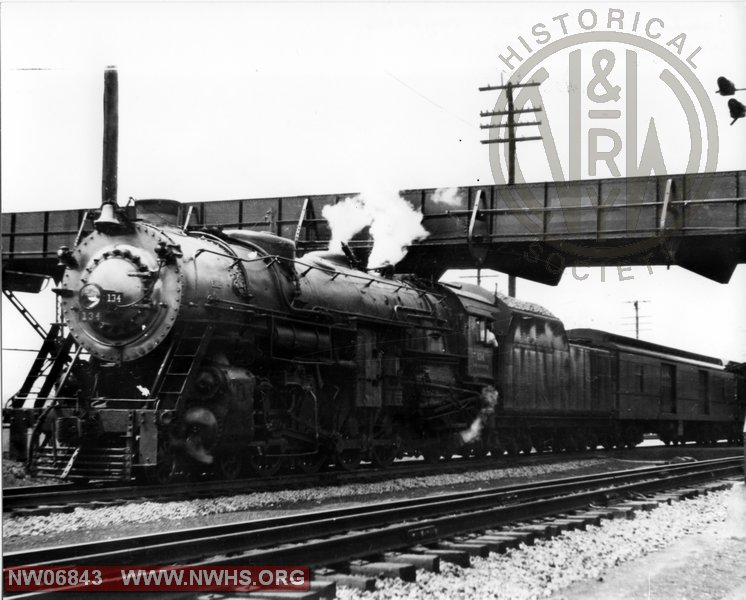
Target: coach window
{"type": "Point", "coordinates": [668, 388]}
{"type": "Point", "coordinates": [641, 378]}
{"type": "Point", "coordinates": [704, 391]}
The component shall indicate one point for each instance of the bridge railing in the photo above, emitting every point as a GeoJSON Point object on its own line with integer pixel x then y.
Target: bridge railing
{"type": "Point", "coordinates": [593, 211]}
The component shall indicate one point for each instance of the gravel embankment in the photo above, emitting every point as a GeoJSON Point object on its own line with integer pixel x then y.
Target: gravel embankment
{"type": "Point", "coordinates": [305, 499]}
{"type": "Point", "coordinates": [539, 571]}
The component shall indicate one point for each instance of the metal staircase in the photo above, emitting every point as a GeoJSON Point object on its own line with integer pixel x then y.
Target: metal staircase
{"type": "Point", "coordinates": [53, 356]}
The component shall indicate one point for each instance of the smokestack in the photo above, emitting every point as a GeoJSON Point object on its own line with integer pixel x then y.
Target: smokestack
{"type": "Point", "coordinates": [109, 220]}
{"type": "Point", "coordinates": [111, 136]}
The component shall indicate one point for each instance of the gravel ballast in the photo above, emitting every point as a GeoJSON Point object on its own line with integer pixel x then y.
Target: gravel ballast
{"type": "Point", "coordinates": [540, 571]}
{"type": "Point", "coordinates": [15, 527]}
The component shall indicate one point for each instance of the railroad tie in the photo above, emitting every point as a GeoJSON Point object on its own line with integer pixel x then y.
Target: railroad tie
{"type": "Point", "coordinates": [584, 519]}
{"type": "Point", "coordinates": [456, 557]}
{"type": "Point", "coordinates": [677, 495]}
{"type": "Point", "coordinates": [538, 531]}
{"type": "Point", "coordinates": [502, 540]}
{"type": "Point", "coordinates": [687, 493]}
{"type": "Point", "coordinates": [611, 513]}
{"type": "Point", "coordinates": [326, 589]}
{"type": "Point", "coordinates": [309, 595]}
{"type": "Point", "coordinates": [404, 571]}
{"type": "Point", "coordinates": [471, 548]}
{"type": "Point", "coordinates": [636, 505]}
{"type": "Point", "coordinates": [665, 498]}
{"type": "Point", "coordinates": [551, 528]}
{"type": "Point", "coordinates": [717, 486]}
{"type": "Point", "coordinates": [358, 582]}
{"type": "Point", "coordinates": [41, 511]}
{"type": "Point", "coordinates": [564, 524]}
{"type": "Point", "coordinates": [523, 537]}
{"type": "Point", "coordinates": [426, 562]}
{"type": "Point", "coordinates": [499, 544]}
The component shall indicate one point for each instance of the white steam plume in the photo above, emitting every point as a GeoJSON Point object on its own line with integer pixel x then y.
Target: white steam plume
{"type": "Point", "coordinates": [447, 196]}
{"type": "Point", "coordinates": [394, 224]}
{"type": "Point", "coordinates": [474, 432]}
{"type": "Point", "coordinates": [489, 401]}
{"type": "Point", "coordinates": [345, 219]}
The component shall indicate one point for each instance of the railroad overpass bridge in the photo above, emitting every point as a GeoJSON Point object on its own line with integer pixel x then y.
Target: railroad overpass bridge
{"type": "Point", "coordinates": [534, 231]}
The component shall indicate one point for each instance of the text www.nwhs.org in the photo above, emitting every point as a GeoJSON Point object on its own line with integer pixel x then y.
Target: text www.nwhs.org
{"type": "Point", "coordinates": [157, 579]}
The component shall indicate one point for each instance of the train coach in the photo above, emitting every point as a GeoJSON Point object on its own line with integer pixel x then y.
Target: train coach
{"type": "Point", "coordinates": [573, 390]}
{"type": "Point", "coordinates": [677, 395]}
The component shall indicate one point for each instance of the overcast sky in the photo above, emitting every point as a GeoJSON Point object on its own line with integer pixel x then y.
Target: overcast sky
{"type": "Point", "coordinates": [241, 100]}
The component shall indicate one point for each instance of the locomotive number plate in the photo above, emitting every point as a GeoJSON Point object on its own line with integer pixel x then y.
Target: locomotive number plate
{"type": "Point", "coordinates": [112, 298]}
{"type": "Point", "coordinates": [90, 315]}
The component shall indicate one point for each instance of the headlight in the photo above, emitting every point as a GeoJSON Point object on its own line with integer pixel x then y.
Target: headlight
{"type": "Point", "coordinates": [90, 296]}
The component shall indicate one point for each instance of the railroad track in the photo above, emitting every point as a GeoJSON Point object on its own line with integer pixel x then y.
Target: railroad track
{"type": "Point", "coordinates": [417, 527]}
{"type": "Point", "coordinates": [45, 499]}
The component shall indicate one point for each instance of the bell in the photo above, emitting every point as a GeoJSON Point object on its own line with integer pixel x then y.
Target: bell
{"type": "Point", "coordinates": [65, 258]}
{"type": "Point", "coordinates": [108, 221]}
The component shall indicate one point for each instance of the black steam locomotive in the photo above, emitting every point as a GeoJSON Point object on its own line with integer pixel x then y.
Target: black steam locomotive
{"type": "Point", "coordinates": [223, 349]}
{"type": "Point", "coordinates": [223, 352]}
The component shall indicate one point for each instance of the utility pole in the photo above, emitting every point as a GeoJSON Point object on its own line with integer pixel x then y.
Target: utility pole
{"type": "Point", "coordinates": [636, 304]}
{"type": "Point", "coordinates": [637, 320]}
{"type": "Point", "coordinates": [511, 138]}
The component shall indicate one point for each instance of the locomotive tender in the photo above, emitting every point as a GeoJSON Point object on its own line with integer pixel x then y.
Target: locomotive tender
{"type": "Point", "coordinates": [222, 351]}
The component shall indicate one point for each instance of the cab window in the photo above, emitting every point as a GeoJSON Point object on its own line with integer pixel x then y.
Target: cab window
{"type": "Point", "coordinates": [481, 331]}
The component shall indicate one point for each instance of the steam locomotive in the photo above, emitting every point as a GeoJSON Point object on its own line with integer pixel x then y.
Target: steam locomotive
{"type": "Point", "coordinates": [221, 351]}
{"type": "Point", "coordinates": [225, 349]}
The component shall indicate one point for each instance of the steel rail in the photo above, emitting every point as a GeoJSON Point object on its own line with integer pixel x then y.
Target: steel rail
{"type": "Point", "coordinates": [18, 491]}
{"type": "Point", "coordinates": [50, 497]}
{"type": "Point", "coordinates": [62, 494]}
{"type": "Point", "coordinates": [350, 546]}
{"type": "Point", "coordinates": [387, 526]}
